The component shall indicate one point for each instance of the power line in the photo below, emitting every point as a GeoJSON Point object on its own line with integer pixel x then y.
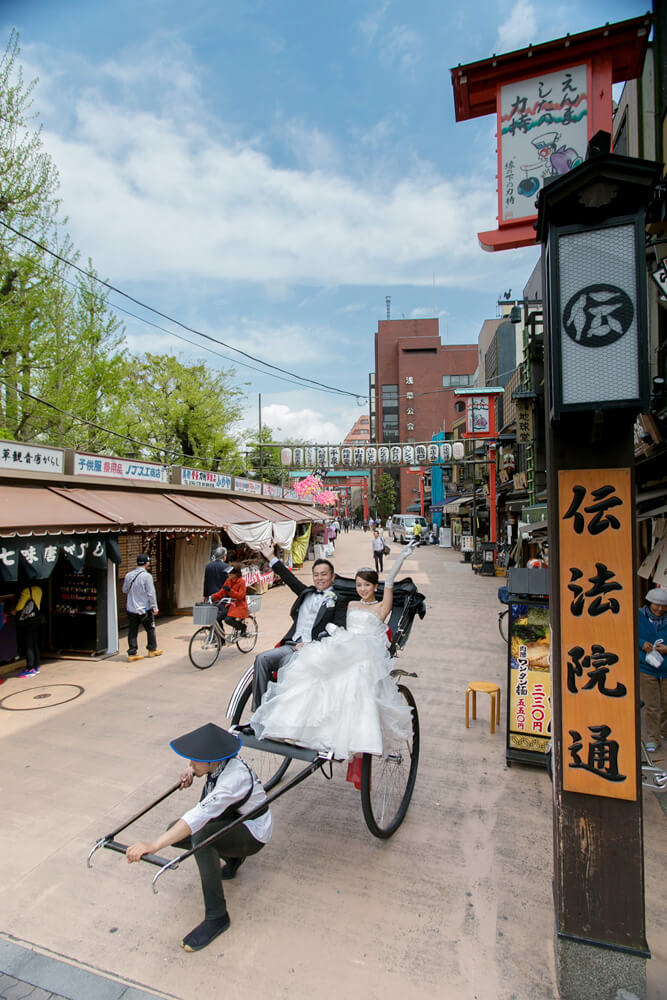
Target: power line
{"type": "Point", "coordinates": [106, 430]}
{"type": "Point", "coordinates": [170, 319]}
{"type": "Point", "coordinates": [200, 347]}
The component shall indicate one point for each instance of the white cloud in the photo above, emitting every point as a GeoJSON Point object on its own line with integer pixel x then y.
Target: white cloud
{"type": "Point", "coordinates": [307, 423]}
{"type": "Point", "coordinates": [520, 28]}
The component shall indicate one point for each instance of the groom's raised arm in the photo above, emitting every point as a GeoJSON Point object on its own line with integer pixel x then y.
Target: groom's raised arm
{"type": "Point", "coordinates": [281, 570]}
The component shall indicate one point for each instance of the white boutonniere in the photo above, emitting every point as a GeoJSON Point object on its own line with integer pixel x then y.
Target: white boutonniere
{"type": "Point", "coordinates": [330, 597]}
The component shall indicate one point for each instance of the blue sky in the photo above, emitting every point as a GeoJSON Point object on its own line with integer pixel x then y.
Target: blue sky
{"type": "Point", "coordinates": [267, 171]}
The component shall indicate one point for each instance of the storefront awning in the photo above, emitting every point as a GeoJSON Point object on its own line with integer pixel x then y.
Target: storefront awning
{"type": "Point", "coordinates": [34, 509]}
{"type": "Point", "coordinates": [291, 512]}
{"type": "Point", "coordinates": [455, 505]}
{"type": "Point", "coordinates": [262, 511]}
{"type": "Point", "coordinates": [136, 508]}
{"type": "Point", "coordinates": [218, 511]}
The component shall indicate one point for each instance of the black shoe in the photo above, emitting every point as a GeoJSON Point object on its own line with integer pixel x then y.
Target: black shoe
{"type": "Point", "coordinates": [205, 932]}
{"type": "Point", "coordinates": [230, 868]}
{"type": "Point", "coordinates": [245, 730]}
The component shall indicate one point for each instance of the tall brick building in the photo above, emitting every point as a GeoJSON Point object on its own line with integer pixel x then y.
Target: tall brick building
{"type": "Point", "coordinates": [412, 388]}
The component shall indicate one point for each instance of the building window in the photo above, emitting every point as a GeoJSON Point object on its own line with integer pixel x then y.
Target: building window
{"type": "Point", "coordinates": [454, 381]}
{"type": "Point", "coordinates": [459, 406]}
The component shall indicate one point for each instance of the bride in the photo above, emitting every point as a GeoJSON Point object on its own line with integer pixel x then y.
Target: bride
{"type": "Point", "coordinates": [337, 694]}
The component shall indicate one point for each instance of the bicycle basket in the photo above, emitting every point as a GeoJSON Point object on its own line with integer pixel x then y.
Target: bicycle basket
{"type": "Point", "coordinates": [205, 614]}
{"type": "Point", "coordinates": [254, 603]}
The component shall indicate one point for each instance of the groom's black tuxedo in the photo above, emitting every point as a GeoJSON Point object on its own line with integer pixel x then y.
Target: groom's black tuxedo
{"type": "Point", "coordinates": [267, 663]}
{"type": "Point", "coordinates": [325, 615]}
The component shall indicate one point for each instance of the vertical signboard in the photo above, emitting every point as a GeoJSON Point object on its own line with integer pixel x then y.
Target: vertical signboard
{"type": "Point", "coordinates": [599, 742]}
{"type": "Point", "coordinates": [529, 681]}
{"type": "Point", "coordinates": [542, 133]}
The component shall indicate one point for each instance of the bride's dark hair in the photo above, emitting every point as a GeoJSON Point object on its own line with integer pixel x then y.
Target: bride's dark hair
{"type": "Point", "coordinates": [367, 574]}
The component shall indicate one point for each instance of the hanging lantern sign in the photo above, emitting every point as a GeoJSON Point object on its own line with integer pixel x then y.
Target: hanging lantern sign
{"type": "Point", "coordinates": [297, 457]}
{"type": "Point", "coordinates": [408, 454]}
{"type": "Point", "coordinates": [311, 456]}
{"type": "Point", "coordinates": [322, 458]}
{"type": "Point", "coordinates": [371, 456]}
{"type": "Point", "coordinates": [432, 453]}
{"type": "Point", "coordinates": [445, 452]}
{"type": "Point", "coordinates": [286, 456]}
{"type": "Point", "coordinates": [420, 453]}
{"type": "Point", "coordinates": [334, 456]}
{"type": "Point", "coordinates": [383, 455]}
{"type": "Point", "coordinates": [346, 456]}
{"type": "Point", "coordinates": [458, 450]}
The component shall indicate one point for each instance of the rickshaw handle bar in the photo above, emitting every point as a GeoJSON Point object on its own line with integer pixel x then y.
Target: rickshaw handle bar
{"type": "Point", "coordinates": [297, 779]}
{"type": "Point", "coordinates": [174, 788]}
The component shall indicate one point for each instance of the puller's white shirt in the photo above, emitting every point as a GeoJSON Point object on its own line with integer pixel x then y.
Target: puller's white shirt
{"type": "Point", "coordinates": [233, 781]}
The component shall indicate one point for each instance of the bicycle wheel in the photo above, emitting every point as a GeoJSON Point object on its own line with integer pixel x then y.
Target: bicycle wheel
{"type": "Point", "coordinates": [268, 767]}
{"type": "Point", "coordinates": [246, 643]}
{"type": "Point", "coordinates": [387, 782]}
{"type": "Point", "coordinates": [204, 647]}
{"type": "Point", "coordinates": [502, 623]}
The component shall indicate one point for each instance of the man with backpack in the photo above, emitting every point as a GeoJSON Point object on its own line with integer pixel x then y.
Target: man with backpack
{"type": "Point", "coordinates": [141, 608]}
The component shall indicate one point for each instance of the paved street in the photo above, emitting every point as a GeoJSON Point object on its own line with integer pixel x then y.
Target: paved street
{"type": "Point", "coordinates": [458, 904]}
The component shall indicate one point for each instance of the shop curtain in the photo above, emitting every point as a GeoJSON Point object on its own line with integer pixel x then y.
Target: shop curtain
{"type": "Point", "coordinates": [300, 546]}
{"type": "Point", "coordinates": [283, 533]}
{"type": "Point", "coordinates": [190, 563]}
{"type": "Point", "coordinates": [252, 535]}
{"type": "Point", "coordinates": [37, 557]}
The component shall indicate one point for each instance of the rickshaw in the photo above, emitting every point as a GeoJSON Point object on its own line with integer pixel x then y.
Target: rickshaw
{"type": "Point", "coordinates": [387, 780]}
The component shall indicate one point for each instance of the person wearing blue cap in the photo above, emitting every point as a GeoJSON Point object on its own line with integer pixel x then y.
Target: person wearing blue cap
{"type": "Point", "coordinates": [231, 790]}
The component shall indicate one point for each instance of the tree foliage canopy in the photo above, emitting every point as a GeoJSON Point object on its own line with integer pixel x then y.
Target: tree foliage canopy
{"type": "Point", "coordinates": [66, 376]}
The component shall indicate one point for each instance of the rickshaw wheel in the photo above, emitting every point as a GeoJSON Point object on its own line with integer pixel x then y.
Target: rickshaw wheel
{"type": "Point", "coordinates": [268, 767]}
{"type": "Point", "coordinates": [387, 782]}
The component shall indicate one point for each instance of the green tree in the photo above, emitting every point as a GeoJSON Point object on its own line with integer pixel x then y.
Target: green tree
{"type": "Point", "coordinates": [28, 203]}
{"type": "Point", "coordinates": [187, 410]}
{"type": "Point", "coordinates": [385, 496]}
{"type": "Point", "coordinates": [266, 461]}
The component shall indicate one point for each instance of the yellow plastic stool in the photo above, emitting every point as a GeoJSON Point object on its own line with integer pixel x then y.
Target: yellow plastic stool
{"type": "Point", "coordinates": [492, 690]}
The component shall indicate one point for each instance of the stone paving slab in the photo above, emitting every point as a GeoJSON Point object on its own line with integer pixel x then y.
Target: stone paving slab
{"type": "Point", "coordinates": [30, 975]}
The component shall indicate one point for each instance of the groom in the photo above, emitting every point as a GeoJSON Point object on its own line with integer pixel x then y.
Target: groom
{"type": "Point", "coordinates": [314, 609]}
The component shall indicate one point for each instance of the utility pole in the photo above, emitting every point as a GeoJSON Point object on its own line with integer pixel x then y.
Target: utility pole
{"type": "Point", "coordinates": [261, 453]}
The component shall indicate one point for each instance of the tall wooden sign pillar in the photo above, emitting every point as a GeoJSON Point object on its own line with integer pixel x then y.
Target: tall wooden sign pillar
{"type": "Point", "coordinates": [591, 224]}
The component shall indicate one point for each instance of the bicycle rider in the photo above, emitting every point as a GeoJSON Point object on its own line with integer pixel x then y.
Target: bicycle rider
{"type": "Point", "coordinates": [233, 606]}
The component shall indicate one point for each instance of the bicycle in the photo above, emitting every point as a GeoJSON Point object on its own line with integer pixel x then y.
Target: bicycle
{"type": "Point", "coordinates": [207, 641]}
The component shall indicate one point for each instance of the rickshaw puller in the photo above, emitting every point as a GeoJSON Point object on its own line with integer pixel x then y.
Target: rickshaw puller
{"type": "Point", "coordinates": [231, 790]}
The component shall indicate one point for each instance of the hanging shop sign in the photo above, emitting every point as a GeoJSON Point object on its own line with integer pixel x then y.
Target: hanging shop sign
{"type": "Point", "coordinates": [524, 421]}
{"type": "Point", "coordinates": [529, 678]}
{"type": "Point", "coordinates": [597, 632]}
{"type": "Point", "coordinates": [119, 468]}
{"type": "Point", "coordinates": [290, 494]}
{"type": "Point", "coordinates": [30, 457]}
{"type": "Point", "coordinates": [36, 557]}
{"type": "Point", "coordinates": [348, 457]}
{"type": "Point", "coordinates": [202, 478]}
{"type": "Point", "coordinates": [549, 100]}
{"type": "Point", "coordinates": [660, 277]}
{"type": "Point", "coordinates": [542, 133]}
{"type": "Point", "coordinates": [247, 486]}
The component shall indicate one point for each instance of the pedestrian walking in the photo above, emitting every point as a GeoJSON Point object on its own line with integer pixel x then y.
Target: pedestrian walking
{"type": "Point", "coordinates": [141, 608]}
{"type": "Point", "coordinates": [378, 550]}
{"type": "Point", "coordinates": [653, 665]}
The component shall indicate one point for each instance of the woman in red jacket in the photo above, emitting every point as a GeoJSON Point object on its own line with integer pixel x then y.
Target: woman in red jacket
{"type": "Point", "coordinates": [234, 587]}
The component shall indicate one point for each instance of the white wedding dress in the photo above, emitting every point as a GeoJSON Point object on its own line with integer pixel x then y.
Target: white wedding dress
{"type": "Point", "coordinates": [337, 694]}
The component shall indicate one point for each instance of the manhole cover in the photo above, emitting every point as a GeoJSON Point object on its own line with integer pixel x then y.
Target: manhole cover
{"type": "Point", "coordinates": [44, 696]}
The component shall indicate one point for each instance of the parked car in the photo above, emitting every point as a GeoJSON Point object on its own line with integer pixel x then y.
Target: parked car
{"type": "Point", "coordinates": [402, 526]}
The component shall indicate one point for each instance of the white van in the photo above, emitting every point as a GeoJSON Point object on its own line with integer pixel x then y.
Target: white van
{"type": "Point", "coordinates": [402, 526]}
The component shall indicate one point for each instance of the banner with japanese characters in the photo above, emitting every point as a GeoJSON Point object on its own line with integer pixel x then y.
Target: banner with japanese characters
{"type": "Point", "coordinates": [30, 457]}
{"type": "Point", "coordinates": [120, 468]}
{"type": "Point", "coordinates": [529, 677]}
{"type": "Point", "coordinates": [35, 558]}
{"type": "Point", "coordinates": [203, 478]}
{"type": "Point", "coordinates": [598, 655]}
{"type": "Point", "coordinates": [426, 453]}
{"type": "Point", "coordinates": [542, 133]}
